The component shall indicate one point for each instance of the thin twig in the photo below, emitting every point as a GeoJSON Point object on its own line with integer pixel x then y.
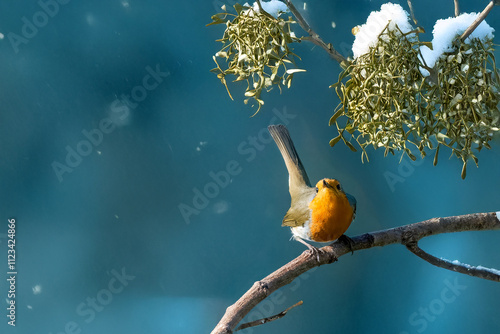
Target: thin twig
{"type": "Point", "coordinates": [478, 20]}
{"type": "Point", "coordinates": [329, 254]}
{"type": "Point", "coordinates": [481, 272]}
{"type": "Point", "coordinates": [260, 6]}
{"type": "Point", "coordinates": [268, 319]}
{"type": "Point", "coordinates": [314, 37]}
{"type": "Point", "coordinates": [457, 8]}
{"type": "Point", "coordinates": [411, 12]}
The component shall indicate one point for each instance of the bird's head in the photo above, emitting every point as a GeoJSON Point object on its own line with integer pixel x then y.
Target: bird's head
{"type": "Point", "coordinates": [329, 185]}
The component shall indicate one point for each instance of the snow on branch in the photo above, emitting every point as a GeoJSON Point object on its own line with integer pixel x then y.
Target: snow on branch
{"type": "Point", "coordinates": [408, 235]}
{"type": "Point", "coordinates": [463, 268]}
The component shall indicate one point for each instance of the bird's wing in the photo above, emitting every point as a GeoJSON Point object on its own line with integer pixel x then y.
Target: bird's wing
{"type": "Point", "coordinates": [292, 219]}
{"type": "Point", "coordinates": [299, 212]}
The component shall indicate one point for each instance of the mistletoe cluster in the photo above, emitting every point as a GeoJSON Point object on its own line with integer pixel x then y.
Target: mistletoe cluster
{"type": "Point", "coordinates": [390, 104]}
{"type": "Point", "coordinates": [256, 49]}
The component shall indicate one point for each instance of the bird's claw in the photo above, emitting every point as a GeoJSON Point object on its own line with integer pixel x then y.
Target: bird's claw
{"type": "Point", "coordinates": [314, 251]}
{"type": "Point", "coordinates": [350, 243]}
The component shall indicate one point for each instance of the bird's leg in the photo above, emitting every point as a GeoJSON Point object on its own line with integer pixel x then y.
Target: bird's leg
{"type": "Point", "coordinates": [350, 243]}
{"type": "Point", "coordinates": [314, 250]}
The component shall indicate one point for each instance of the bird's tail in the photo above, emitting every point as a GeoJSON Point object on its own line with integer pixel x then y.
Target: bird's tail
{"type": "Point", "coordinates": [298, 175]}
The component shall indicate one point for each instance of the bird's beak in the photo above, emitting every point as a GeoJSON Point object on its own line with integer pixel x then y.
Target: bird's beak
{"type": "Point", "coordinates": [326, 184]}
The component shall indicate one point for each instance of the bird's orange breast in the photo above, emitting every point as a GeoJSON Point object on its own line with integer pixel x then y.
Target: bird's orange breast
{"type": "Point", "coordinates": [331, 216]}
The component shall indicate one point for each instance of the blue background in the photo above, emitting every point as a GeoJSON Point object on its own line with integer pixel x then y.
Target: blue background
{"type": "Point", "coordinates": [118, 209]}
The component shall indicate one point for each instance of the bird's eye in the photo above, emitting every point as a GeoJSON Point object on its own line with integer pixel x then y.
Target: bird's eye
{"type": "Point", "coordinates": [317, 189]}
{"type": "Point", "coordinates": [339, 187]}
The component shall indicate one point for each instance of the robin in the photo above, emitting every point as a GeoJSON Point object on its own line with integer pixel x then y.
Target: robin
{"type": "Point", "coordinates": [322, 213]}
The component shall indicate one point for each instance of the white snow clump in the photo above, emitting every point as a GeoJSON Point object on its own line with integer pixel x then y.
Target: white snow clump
{"type": "Point", "coordinates": [446, 30]}
{"type": "Point", "coordinates": [368, 33]}
{"type": "Point", "coordinates": [273, 7]}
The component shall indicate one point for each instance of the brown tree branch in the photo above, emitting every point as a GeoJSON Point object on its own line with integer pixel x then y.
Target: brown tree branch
{"type": "Point", "coordinates": [479, 19]}
{"type": "Point", "coordinates": [457, 8]}
{"type": "Point", "coordinates": [407, 235]}
{"type": "Point", "coordinates": [314, 37]}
